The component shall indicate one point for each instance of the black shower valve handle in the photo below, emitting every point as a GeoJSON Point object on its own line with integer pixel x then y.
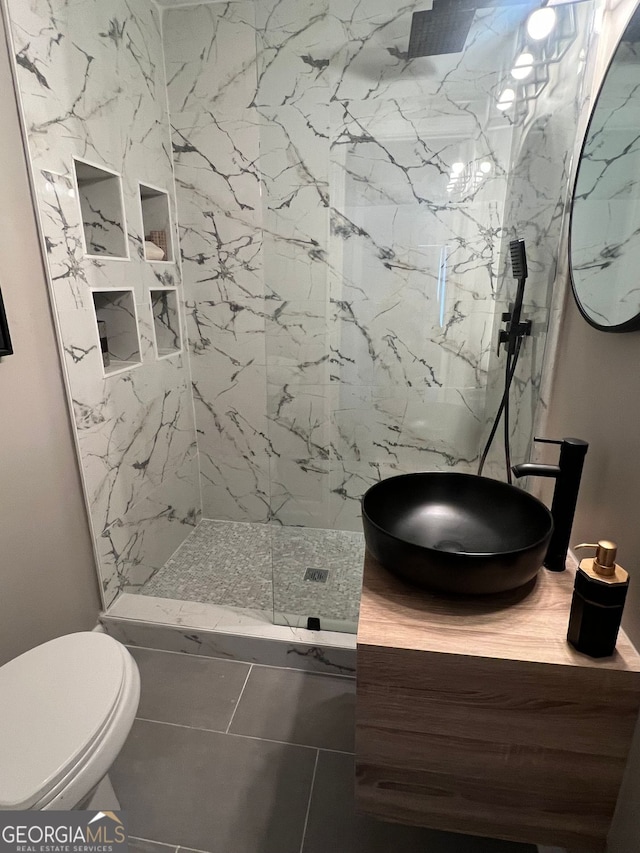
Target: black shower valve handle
{"type": "Point", "coordinates": [548, 440]}
{"type": "Point", "coordinates": [504, 334]}
{"type": "Point", "coordinates": [503, 338]}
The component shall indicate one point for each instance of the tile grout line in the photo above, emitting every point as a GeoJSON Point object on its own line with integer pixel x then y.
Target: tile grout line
{"type": "Point", "coordinates": [239, 698]}
{"type": "Point", "coordinates": [253, 663]}
{"type": "Point", "coordinates": [306, 817]}
{"type": "Point", "coordinates": [246, 737]}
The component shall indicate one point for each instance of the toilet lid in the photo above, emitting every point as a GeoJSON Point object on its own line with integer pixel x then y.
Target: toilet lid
{"type": "Point", "coordinates": [54, 702]}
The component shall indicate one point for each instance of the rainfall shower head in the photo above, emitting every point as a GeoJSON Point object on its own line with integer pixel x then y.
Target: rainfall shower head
{"type": "Point", "coordinates": [444, 29]}
{"type": "Point", "coordinates": [439, 31]}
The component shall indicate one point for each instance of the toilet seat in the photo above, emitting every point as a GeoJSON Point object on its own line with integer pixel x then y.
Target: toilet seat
{"type": "Point", "coordinates": [66, 708]}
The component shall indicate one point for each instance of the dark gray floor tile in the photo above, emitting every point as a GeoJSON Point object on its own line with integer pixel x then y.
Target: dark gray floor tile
{"type": "Point", "coordinates": [213, 792]}
{"type": "Point", "coordinates": [334, 825]}
{"type": "Point", "coordinates": [298, 707]}
{"type": "Point", "coordinates": [140, 845]}
{"type": "Point", "coordinates": [188, 689]}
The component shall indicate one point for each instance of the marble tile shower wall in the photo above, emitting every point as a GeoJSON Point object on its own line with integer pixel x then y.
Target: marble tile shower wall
{"type": "Point", "coordinates": [536, 206]}
{"type": "Point", "coordinates": [92, 85]}
{"type": "Point", "coordinates": [340, 293]}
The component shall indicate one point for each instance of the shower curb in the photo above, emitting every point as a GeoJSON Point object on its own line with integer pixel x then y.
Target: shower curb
{"type": "Point", "coordinates": [309, 656]}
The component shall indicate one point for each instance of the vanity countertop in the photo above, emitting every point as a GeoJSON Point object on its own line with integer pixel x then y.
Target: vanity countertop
{"type": "Point", "coordinates": [477, 717]}
{"type": "Point", "coordinates": [527, 625]}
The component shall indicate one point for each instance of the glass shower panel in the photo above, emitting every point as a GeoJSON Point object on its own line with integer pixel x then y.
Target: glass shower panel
{"type": "Point", "coordinates": [386, 204]}
{"type": "Point", "coordinates": [383, 185]}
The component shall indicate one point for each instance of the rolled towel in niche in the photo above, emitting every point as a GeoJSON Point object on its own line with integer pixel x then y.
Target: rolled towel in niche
{"type": "Point", "coordinates": [153, 252]}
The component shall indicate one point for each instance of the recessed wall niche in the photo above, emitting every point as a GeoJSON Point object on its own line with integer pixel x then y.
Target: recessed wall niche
{"type": "Point", "coordinates": [117, 324]}
{"type": "Point", "coordinates": [156, 224]}
{"type": "Point", "coordinates": [166, 321]}
{"type": "Point", "coordinates": [102, 210]}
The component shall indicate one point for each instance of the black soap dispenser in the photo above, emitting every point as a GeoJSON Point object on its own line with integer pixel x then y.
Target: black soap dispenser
{"type": "Point", "coordinates": [598, 601]}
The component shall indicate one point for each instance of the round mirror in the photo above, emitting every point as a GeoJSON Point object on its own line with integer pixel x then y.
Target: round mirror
{"type": "Point", "coordinates": [604, 235]}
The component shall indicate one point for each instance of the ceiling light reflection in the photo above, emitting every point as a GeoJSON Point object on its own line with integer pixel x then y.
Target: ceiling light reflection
{"type": "Point", "coordinates": [540, 23]}
{"type": "Point", "coordinates": [523, 66]}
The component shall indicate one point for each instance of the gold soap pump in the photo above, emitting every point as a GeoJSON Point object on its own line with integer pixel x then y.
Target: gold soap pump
{"type": "Point", "coordinates": [598, 601]}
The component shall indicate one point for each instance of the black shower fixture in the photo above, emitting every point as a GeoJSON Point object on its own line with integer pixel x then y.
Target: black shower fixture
{"type": "Point", "coordinates": [439, 31]}
{"type": "Point", "coordinates": [445, 27]}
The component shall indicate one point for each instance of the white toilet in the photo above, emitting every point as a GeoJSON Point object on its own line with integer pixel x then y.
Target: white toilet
{"type": "Point", "coordinates": [66, 708]}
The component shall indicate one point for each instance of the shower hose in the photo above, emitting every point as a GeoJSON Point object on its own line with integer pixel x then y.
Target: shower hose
{"type": "Point", "coordinates": [510, 370]}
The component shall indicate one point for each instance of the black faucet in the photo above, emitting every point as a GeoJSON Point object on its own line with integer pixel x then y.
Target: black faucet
{"type": "Point", "coordinates": [567, 474]}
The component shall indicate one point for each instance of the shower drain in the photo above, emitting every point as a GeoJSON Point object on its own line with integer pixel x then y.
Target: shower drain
{"type": "Point", "coordinates": [317, 575]}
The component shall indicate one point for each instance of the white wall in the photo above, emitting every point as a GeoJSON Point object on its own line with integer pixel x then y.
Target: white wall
{"type": "Point", "coordinates": [48, 581]}
{"type": "Point", "coordinates": [596, 395]}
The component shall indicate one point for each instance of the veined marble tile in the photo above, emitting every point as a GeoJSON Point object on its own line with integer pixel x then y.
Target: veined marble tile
{"type": "Point", "coordinates": [187, 614]}
{"type": "Point", "coordinates": [92, 85]}
{"type": "Point", "coordinates": [235, 487]}
{"type": "Point", "coordinates": [348, 481]}
{"type": "Point", "coordinates": [217, 157]}
{"type": "Point", "coordinates": [136, 437]}
{"type": "Point", "coordinates": [214, 318]}
{"type": "Point", "coordinates": [294, 269]}
{"type": "Point", "coordinates": [300, 492]}
{"type": "Point", "coordinates": [303, 220]}
{"type": "Point", "coordinates": [271, 645]}
{"type": "Point", "coordinates": [133, 428]}
{"type": "Point", "coordinates": [295, 365]}
{"type": "Point", "coordinates": [210, 54]}
{"type": "Point", "coordinates": [366, 422]}
{"type": "Point", "coordinates": [70, 272]}
{"type": "Point", "coordinates": [372, 268]}
{"type": "Point", "coordinates": [140, 542]}
{"type": "Point", "coordinates": [69, 78]}
{"type": "Point", "coordinates": [231, 406]}
{"type": "Point", "coordinates": [296, 251]}
{"type": "Point", "coordinates": [402, 152]}
{"type": "Point", "coordinates": [220, 248]}
{"type": "Point", "coordinates": [299, 421]}
{"type": "Point", "coordinates": [294, 323]}
{"type": "Point", "coordinates": [296, 39]}
{"type": "Point", "coordinates": [294, 151]}
{"type": "Point", "coordinates": [393, 344]}
{"type": "Point", "coordinates": [143, 112]}
{"type": "Point", "coordinates": [452, 419]}
{"type": "Point", "coordinates": [223, 350]}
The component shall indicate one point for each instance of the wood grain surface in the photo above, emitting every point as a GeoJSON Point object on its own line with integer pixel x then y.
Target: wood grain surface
{"type": "Point", "coordinates": [478, 717]}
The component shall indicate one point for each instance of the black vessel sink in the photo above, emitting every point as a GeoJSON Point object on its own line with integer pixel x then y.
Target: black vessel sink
{"type": "Point", "coordinates": [456, 533]}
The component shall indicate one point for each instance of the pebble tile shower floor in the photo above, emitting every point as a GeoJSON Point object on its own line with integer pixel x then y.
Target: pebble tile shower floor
{"type": "Point", "coordinates": [230, 757]}
{"type": "Point", "coordinates": [263, 566]}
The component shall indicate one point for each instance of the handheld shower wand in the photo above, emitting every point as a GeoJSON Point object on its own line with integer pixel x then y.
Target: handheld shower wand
{"type": "Point", "coordinates": [512, 336]}
{"type": "Point", "coordinates": [515, 327]}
